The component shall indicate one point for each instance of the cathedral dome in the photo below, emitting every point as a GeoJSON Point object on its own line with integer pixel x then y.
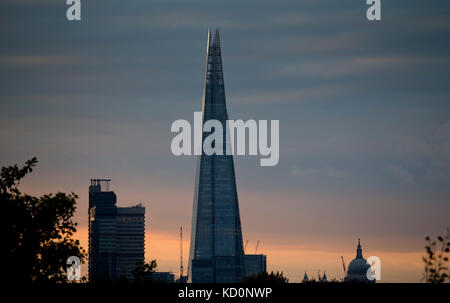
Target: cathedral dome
{"type": "Point", "coordinates": [358, 268]}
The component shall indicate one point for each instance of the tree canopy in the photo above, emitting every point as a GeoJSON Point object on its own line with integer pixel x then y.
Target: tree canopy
{"type": "Point", "coordinates": [38, 230]}
{"type": "Point", "coordinates": [143, 271]}
{"type": "Point", "coordinates": [266, 278]}
{"type": "Point", "coordinates": [436, 259]}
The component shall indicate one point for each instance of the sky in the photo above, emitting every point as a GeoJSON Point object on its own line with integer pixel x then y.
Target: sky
{"type": "Point", "coordinates": [364, 113]}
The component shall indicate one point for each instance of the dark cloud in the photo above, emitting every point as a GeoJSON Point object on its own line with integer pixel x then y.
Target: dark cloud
{"type": "Point", "coordinates": [363, 107]}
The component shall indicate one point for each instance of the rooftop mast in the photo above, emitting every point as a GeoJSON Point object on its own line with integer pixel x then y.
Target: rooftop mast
{"type": "Point", "coordinates": [181, 253]}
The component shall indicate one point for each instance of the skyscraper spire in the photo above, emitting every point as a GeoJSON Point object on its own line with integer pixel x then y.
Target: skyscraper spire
{"type": "Point", "coordinates": [216, 252]}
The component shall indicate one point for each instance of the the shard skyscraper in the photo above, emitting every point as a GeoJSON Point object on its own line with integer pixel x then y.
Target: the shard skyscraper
{"type": "Point", "coordinates": [216, 252]}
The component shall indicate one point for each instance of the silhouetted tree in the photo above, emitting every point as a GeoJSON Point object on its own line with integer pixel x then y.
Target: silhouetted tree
{"type": "Point", "coordinates": [319, 280]}
{"type": "Point", "coordinates": [436, 259]}
{"type": "Point", "coordinates": [266, 278]}
{"type": "Point", "coordinates": [38, 230]}
{"type": "Point", "coordinates": [122, 280]}
{"type": "Point", "coordinates": [143, 271]}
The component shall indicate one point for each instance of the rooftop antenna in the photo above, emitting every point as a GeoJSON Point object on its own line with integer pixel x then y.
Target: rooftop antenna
{"type": "Point", "coordinates": [245, 247]}
{"type": "Point", "coordinates": [256, 249]}
{"type": "Point", "coordinates": [181, 252]}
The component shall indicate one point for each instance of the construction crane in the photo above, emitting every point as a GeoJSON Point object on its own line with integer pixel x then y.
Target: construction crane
{"type": "Point", "coordinates": [343, 266]}
{"type": "Point", "coordinates": [256, 249]}
{"type": "Point", "coordinates": [181, 253]}
{"type": "Point", "coordinates": [245, 247]}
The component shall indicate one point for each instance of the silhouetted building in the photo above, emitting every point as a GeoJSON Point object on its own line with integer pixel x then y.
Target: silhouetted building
{"type": "Point", "coordinates": [358, 269]}
{"type": "Point", "coordinates": [116, 234]}
{"type": "Point", "coordinates": [130, 239]}
{"type": "Point", "coordinates": [161, 276]}
{"type": "Point", "coordinates": [255, 264]}
{"type": "Point", "coordinates": [216, 252]}
{"type": "Point", "coordinates": [182, 279]}
{"type": "Point", "coordinates": [305, 278]}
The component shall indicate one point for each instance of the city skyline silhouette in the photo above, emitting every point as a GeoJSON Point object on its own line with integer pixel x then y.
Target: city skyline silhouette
{"type": "Point", "coordinates": [363, 110]}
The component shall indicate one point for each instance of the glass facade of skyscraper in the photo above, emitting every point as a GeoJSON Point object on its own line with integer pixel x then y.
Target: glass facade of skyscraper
{"type": "Point", "coordinates": [216, 252]}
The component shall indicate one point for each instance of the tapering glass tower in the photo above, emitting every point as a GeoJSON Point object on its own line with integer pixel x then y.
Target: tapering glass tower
{"type": "Point", "coordinates": [216, 252]}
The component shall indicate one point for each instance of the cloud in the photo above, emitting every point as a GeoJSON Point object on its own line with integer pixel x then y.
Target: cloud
{"type": "Point", "coordinates": [30, 60]}
{"type": "Point", "coordinates": [442, 137]}
{"type": "Point", "coordinates": [328, 172]}
{"type": "Point", "coordinates": [363, 110]}
{"type": "Point", "coordinates": [356, 66]}
{"type": "Point", "coordinates": [321, 92]}
{"type": "Point", "coordinates": [400, 173]}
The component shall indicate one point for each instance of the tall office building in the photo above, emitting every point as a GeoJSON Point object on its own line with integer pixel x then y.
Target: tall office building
{"type": "Point", "coordinates": [216, 252]}
{"type": "Point", "coordinates": [116, 234]}
{"type": "Point", "coordinates": [130, 239]}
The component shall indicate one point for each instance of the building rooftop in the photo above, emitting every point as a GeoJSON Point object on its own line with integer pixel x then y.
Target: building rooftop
{"type": "Point", "coordinates": [99, 185]}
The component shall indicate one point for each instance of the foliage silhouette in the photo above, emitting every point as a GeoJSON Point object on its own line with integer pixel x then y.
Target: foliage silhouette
{"type": "Point", "coordinates": [266, 278]}
{"type": "Point", "coordinates": [143, 272]}
{"type": "Point", "coordinates": [436, 259]}
{"type": "Point", "coordinates": [38, 230]}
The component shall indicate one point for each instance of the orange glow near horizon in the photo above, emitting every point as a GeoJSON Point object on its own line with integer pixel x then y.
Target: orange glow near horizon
{"type": "Point", "coordinates": [292, 260]}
